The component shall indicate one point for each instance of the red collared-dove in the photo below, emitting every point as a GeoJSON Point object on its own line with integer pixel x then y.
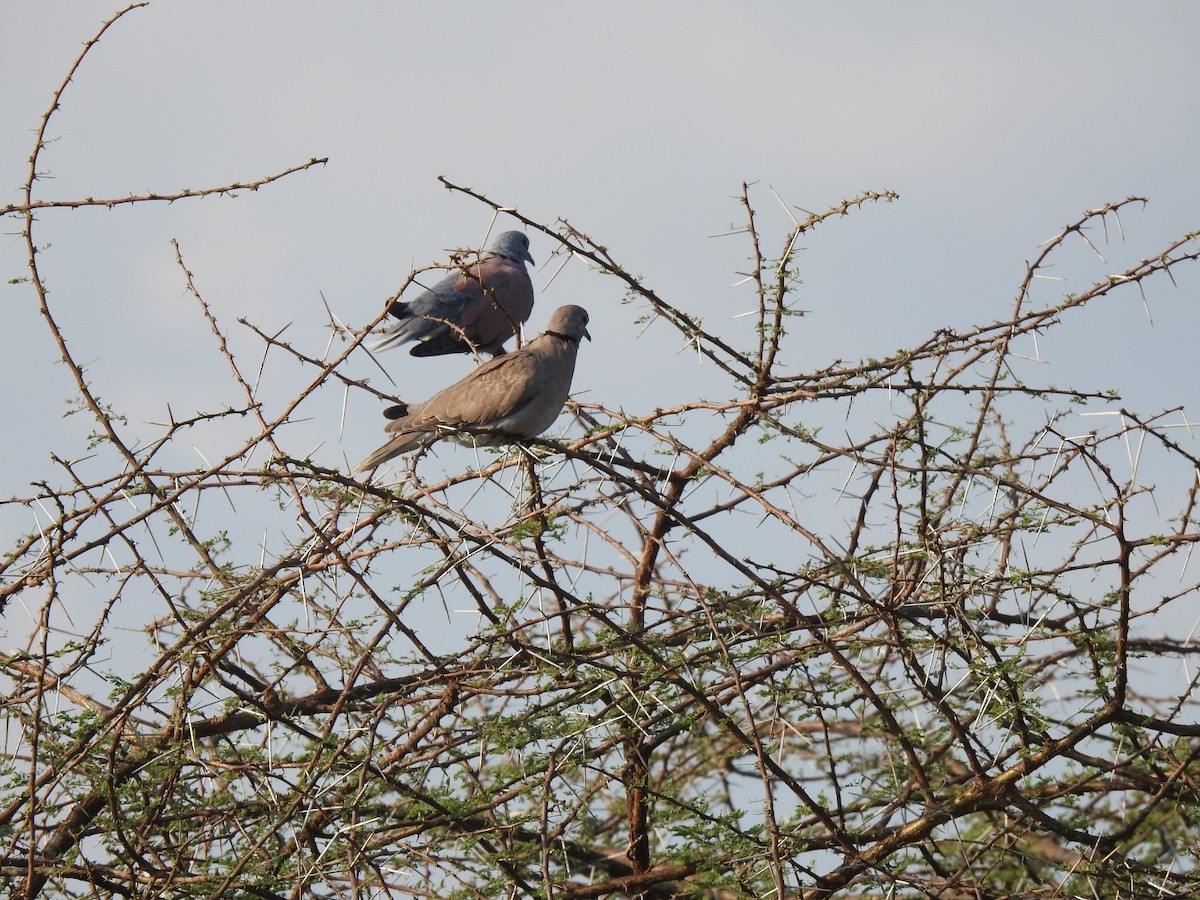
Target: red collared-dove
{"type": "Point", "coordinates": [476, 308]}
{"type": "Point", "coordinates": [517, 395]}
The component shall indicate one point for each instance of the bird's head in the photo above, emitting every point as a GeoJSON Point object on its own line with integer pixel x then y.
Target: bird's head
{"type": "Point", "coordinates": [512, 245]}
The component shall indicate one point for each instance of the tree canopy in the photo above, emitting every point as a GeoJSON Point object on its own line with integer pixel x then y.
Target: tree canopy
{"type": "Point", "coordinates": [895, 627]}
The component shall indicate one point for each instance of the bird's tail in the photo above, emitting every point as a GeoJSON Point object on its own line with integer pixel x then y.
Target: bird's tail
{"type": "Point", "coordinates": [401, 443]}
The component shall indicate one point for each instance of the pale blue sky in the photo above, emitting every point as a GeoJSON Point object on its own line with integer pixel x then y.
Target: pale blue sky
{"type": "Point", "coordinates": [637, 122]}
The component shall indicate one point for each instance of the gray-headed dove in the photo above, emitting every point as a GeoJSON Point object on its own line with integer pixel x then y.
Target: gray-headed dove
{"type": "Point", "coordinates": [477, 308]}
{"type": "Point", "coordinates": [517, 395]}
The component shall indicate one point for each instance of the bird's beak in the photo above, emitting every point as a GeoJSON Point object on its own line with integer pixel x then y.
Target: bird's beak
{"type": "Point", "coordinates": [529, 256]}
{"type": "Point", "coordinates": [586, 335]}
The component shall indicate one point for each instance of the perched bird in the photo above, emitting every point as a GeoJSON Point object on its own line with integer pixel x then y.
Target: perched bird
{"type": "Point", "coordinates": [517, 395]}
{"type": "Point", "coordinates": [476, 308]}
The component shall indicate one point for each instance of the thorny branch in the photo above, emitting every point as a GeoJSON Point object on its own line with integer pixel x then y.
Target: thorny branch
{"type": "Point", "coordinates": [892, 626]}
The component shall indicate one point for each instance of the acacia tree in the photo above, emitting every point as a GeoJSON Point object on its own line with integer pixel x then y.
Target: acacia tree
{"type": "Point", "coordinates": [685, 676]}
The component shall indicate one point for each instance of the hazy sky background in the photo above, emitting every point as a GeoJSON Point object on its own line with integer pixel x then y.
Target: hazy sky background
{"type": "Point", "coordinates": [638, 123]}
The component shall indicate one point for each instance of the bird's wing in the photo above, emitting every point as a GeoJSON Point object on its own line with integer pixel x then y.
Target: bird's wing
{"type": "Point", "coordinates": [494, 392]}
{"type": "Point", "coordinates": [425, 314]}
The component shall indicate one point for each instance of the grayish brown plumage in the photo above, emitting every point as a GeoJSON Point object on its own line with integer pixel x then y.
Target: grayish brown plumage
{"type": "Point", "coordinates": [517, 395]}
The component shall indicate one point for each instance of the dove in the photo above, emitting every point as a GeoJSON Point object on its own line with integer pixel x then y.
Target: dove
{"type": "Point", "coordinates": [472, 309]}
{"type": "Point", "coordinates": [514, 396]}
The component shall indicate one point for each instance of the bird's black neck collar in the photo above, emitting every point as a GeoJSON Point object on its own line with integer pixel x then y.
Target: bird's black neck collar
{"type": "Point", "coordinates": [569, 338]}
